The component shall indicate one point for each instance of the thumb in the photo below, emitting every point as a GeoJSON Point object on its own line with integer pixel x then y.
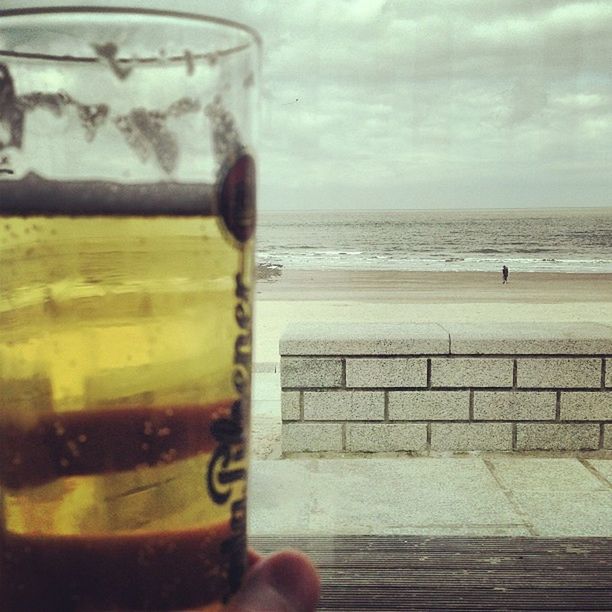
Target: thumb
{"type": "Point", "coordinates": [285, 582]}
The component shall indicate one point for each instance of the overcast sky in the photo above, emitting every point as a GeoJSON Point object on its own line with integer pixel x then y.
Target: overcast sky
{"type": "Point", "coordinates": [428, 103]}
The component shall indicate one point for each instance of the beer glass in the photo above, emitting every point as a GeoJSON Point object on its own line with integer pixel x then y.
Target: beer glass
{"type": "Point", "coordinates": [127, 204]}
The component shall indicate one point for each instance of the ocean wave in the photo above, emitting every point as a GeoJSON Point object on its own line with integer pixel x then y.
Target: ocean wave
{"type": "Point", "coordinates": [557, 241]}
{"type": "Point", "coordinates": [332, 253]}
{"type": "Point", "coordinates": [468, 264]}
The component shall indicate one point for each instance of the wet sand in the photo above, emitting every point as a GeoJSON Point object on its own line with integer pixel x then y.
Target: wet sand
{"type": "Point", "coordinates": [436, 287]}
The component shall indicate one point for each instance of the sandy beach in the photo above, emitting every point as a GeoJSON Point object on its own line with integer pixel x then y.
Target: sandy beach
{"type": "Point", "coordinates": [436, 287]}
{"type": "Point", "coordinates": [358, 295]}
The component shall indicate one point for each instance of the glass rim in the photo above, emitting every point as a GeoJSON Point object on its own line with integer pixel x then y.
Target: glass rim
{"type": "Point", "coordinates": [109, 10]}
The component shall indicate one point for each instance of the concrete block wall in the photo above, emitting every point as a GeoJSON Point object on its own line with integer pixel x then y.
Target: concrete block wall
{"type": "Point", "coordinates": [446, 387]}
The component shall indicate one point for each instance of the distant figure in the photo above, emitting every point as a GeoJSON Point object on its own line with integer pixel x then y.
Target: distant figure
{"type": "Point", "coordinates": [504, 275]}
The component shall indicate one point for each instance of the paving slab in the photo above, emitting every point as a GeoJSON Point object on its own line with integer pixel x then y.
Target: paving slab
{"type": "Point", "coordinates": [366, 495]}
{"type": "Point", "coordinates": [603, 468]}
{"type": "Point", "coordinates": [266, 386]}
{"type": "Point", "coordinates": [567, 513]}
{"type": "Point", "coordinates": [265, 430]}
{"type": "Point", "coordinates": [265, 440]}
{"type": "Point", "coordinates": [278, 500]}
{"type": "Point", "coordinates": [379, 495]}
{"type": "Point", "coordinates": [269, 408]}
{"type": "Point", "coordinates": [543, 473]}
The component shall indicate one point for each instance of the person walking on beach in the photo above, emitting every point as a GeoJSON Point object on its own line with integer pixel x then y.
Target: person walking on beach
{"type": "Point", "coordinates": [504, 274]}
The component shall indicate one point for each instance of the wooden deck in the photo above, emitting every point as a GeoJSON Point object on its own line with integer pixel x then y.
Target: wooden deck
{"type": "Point", "coordinates": [385, 573]}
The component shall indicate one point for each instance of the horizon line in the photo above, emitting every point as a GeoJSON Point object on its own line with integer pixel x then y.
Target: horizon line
{"type": "Point", "coordinates": [455, 209]}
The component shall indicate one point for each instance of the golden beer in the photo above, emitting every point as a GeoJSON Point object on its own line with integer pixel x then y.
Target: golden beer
{"type": "Point", "coordinates": [127, 203]}
{"type": "Point", "coordinates": [118, 359]}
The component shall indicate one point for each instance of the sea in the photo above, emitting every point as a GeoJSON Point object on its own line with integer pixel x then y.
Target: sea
{"type": "Point", "coordinates": [546, 240]}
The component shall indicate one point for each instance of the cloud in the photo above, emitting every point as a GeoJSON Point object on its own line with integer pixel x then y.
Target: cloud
{"type": "Point", "coordinates": [464, 102]}
{"type": "Point", "coordinates": [425, 94]}
{"type": "Point", "coordinates": [527, 98]}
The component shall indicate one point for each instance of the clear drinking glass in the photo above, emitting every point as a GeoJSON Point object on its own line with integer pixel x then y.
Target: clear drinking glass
{"type": "Point", "coordinates": [127, 204]}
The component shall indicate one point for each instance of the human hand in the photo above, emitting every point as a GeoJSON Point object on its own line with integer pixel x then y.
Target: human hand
{"type": "Point", "coordinates": [284, 582]}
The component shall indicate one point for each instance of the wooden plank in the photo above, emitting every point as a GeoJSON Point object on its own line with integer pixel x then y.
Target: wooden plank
{"type": "Point", "coordinates": [390, 573]}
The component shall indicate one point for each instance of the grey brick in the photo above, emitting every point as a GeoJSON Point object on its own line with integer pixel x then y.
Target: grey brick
{"type": "Point", "coordinates": [304, 437]}
{"type": "Point", "coordinates": [608, 380]}
{"type": "Point", "coordinates": [557, 436]}
{"type": "Point", "coordinates": [586, 406]}
{"type": "Point", "coordinates": [290, 405]}
{"type": "Point", "coordinates": [344, 405]}
{"type": "Point", "coordinates": [338, 338]}
{"type": "Point", "coordinates": [384, 437]}
{"type": "Point", "coordinates": [429, 405]}
{"type": "Point", "coordinates": [386, 372]}
{"type": "Point", "coordinates": [309, 372]}
{"type": "Point", "coordinates": [558, 372]}
{"type": "Point", "coordinates": [471, 372]}
{"type": "Point", "coordinates": [514, 406]}
{"type": "Point", "coordinates": [607, 442]}
{"type": "Point", "coordinates": [471, 436]}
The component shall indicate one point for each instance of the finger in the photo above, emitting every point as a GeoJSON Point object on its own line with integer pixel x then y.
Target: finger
{"type": "Point", "coordinates": [285, 582]}
{"type": "Point", "coordinates": [253, 557]}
